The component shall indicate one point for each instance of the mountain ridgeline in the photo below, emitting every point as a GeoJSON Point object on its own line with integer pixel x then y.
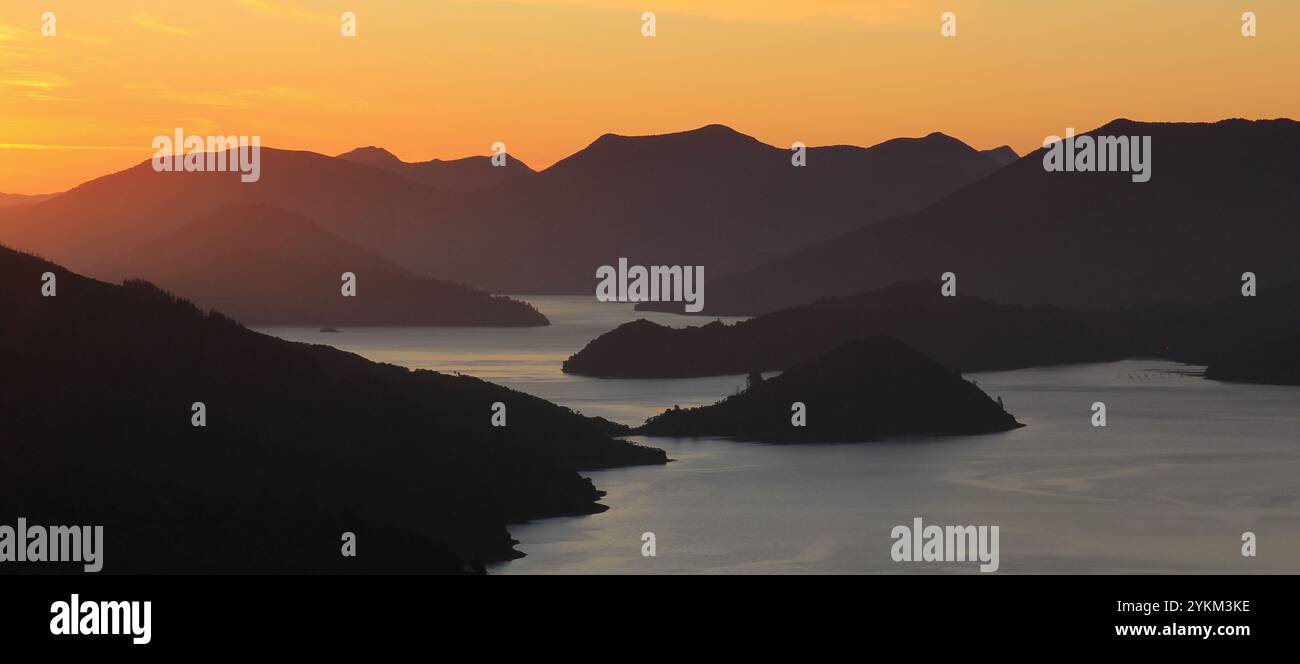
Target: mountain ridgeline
{"type": "Point", "coordinates": [466, 174]}
{"type": "Point", "coordinates": [864, 390]}
{"type": "Point", "coordinates": [1221, 201]}
{"type": "Point", "coordinates": [711, 196]}
{"type": "Point", "coordinates": [300, 443]}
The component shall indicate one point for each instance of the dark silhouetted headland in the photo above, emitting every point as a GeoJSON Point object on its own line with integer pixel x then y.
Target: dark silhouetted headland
{"type": "Point", "coordinates": [1272, 362]}
{"type": "Point", "coordinates": [301, 443]}
{"type": "Point", "coordinates": [964, 333]}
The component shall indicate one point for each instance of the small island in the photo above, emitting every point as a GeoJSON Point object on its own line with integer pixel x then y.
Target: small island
{"type": "Point", "coordinates": [865, 390]}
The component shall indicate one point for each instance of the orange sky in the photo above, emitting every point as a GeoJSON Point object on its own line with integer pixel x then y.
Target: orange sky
{"type": "Point", "coordinates": [431, 78]}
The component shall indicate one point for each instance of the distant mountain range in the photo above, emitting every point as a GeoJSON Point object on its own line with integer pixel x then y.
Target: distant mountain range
{"type": "Point", "coordinates": [863, 390]}
{"type": "Point", "coordinates": [301, 443]}
{"type": "Point", "coordinates": [1222, 200]}
{"type": "Point", "coordinates": [710, 196]}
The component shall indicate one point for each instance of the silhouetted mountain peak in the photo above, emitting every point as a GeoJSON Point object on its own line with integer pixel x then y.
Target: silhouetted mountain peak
{"type": "Point", "coordinates": [709, 132]}
{"type": "Point", "coordinates": [375, 156]}
{"type": "Point", "coordinates": [940, 136]}
{"type": "Point", "coordinates": [712, 134]}
{"type": "Point", "coordinates": [707, 143]}
{"type": "Point", "coordinates": [935, 145]}
{"type": "Point", "coordinates": [719, 131]}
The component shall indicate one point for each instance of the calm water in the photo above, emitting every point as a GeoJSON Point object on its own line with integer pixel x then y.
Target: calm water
{"type": "Point", "coordinates": [1184, 466]}
{"type": "Point", "coordinates": [528, 359]}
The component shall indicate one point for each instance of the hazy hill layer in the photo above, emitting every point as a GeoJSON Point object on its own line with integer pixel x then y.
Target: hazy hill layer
{"type": "Point", "coordinates": [88, 226]}
{"type": "Point", "coordinates": [265, 266]}
{"type": "Point", "coordinates": [8, 200]}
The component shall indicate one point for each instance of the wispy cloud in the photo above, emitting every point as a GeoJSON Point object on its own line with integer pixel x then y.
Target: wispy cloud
{"type": "Point", "coordinates": [38, 80]}
{"type": "Point", "coordinates": [287, 9]}
{"type": "Point", "coordinates": [37, 85]}
{"type": "Point", "coordinates": [39, 146]}
{"type": "Point", "coordinates": [88, 39]}
{"type": "Point", "coordinates": [868, 12]}
{"type": "Point", "coordinates": [231, 97]}
{"type": "Point", "coordinates": [151, 23]}
{"type": "Point", "coordinates": [10, 33]}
